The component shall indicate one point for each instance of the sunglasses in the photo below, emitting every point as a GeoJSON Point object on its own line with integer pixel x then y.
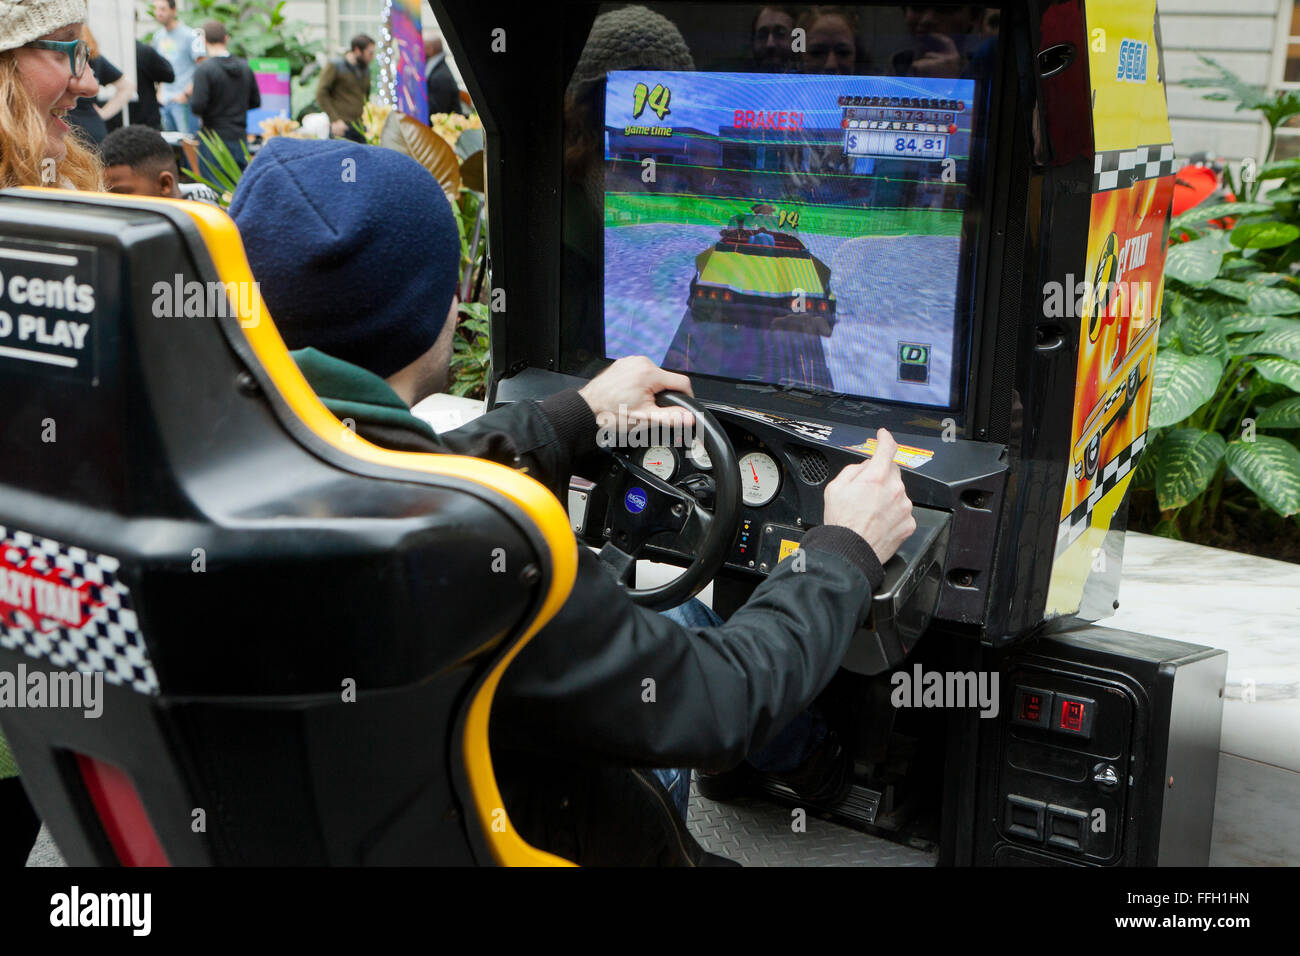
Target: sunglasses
{"type": "Point", "coordinates": [78, 52]}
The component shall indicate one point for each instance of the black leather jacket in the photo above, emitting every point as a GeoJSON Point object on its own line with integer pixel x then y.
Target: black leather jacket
{"type": "Point", "coordinates": [570, 718]}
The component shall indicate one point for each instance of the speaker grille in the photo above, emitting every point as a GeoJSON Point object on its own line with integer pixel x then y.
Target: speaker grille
{"type": "Point", "coordinates": [813, 467]}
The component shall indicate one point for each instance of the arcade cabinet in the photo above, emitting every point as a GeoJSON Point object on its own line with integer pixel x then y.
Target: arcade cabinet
{"type": "Point", "coordinates": [950, 221]}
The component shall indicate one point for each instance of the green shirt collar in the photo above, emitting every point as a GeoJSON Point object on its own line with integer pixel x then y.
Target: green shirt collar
{"type": "Point", "coordinates": [350, 391]}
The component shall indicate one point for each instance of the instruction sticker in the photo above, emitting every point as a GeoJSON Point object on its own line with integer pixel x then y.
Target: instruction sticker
{"type": "Point", "coordinates": [47, 308]}
{"type": "Point", "coordinates": [908, 456]}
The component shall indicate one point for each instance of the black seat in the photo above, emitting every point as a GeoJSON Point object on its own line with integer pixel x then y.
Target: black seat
{"type": "Point", "coordinates": [299, 633]}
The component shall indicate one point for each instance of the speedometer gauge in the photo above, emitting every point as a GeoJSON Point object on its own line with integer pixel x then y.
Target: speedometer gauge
{"type": "Point", "coordinates": [660, 461]}
{"type": "Point", "coordinates": [760, 478]}
{"type": "Point", "coordinates": [699, 455]}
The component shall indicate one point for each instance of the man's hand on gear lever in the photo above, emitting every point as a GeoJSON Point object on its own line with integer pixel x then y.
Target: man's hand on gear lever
{"type": "Point", "coordinates": [631, 384]}
{"type": "Point", "coordinates": [869, 498]}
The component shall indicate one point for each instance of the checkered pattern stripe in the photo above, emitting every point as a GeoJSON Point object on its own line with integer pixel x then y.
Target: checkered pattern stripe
{"type": "Point", "coordinates": [1119, 168]}
{"type": "Point", "coordinates": [109, 643]}
{"type": "Point", "coordinates": [1080, 519]}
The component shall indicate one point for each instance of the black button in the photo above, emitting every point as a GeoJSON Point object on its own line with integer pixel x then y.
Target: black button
{"type": "Point", "coordinates": [1066, 827]}
{"type": "Point", "coordinates": [1073, 715]}
{"type": "Point", "coordinates": [1024, 817]}
{"type": "Point", "coordinates": [1032, 707]}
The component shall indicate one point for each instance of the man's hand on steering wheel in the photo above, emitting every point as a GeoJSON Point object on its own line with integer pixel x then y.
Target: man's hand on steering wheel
{"type": "Point", "coordinates": [630, 386]}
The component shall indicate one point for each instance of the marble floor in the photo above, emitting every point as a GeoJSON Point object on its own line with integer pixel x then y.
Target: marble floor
{"type": "Point", "coordinates": [1248, 606]}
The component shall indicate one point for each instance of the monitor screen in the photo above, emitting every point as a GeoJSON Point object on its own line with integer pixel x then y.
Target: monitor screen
{"type": "Point", "coordinates": [812, 228]}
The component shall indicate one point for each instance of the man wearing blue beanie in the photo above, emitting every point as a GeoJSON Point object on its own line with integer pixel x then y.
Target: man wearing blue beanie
{"type": "Point", "coordinates": [356, 251]}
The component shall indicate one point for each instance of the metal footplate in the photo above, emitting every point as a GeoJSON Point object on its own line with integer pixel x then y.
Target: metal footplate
{"type": "Point", "coordinates": [756, 832]}
{"type": "Point", "coordinates": [860, 804]}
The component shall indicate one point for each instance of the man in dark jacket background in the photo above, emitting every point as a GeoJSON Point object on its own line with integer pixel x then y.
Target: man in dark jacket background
{"type": "Point", "coordinates": [570, 725]}
{"type": "Point", "coordinates": [224, 91]}
{"type": "Point", "coordinates": [443, 90]}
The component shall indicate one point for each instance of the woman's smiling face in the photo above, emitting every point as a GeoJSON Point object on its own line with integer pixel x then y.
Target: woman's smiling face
{"type": "Point", "coordinates": [47, 77]}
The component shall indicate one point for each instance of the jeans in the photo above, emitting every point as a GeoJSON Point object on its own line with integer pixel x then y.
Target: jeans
{"type": "Point", "coordinates": [177, 118]}
{"type": "Point", "coordinates": [787, 751]}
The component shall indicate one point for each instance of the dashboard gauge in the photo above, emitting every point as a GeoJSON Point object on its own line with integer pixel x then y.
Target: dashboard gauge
{"type": "Point", "coordinates": [660, 461]}
{"type": "Point", "coordinates": [699, 455]}
{"type": "Point", "coordinates": [760, 478]}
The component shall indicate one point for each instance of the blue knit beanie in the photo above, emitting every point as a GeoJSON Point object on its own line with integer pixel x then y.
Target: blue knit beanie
{"type": "Point", "coordinates": [354, 247]}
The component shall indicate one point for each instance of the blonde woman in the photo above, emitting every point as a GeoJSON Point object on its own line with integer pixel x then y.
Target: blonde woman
{"type": "Point", "coordinates": [89, 114]}
{"type": "Point", "coordinates": [43, 71]}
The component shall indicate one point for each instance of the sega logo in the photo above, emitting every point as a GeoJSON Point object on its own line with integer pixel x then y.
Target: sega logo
{"type": "Point", "coordinates": [1132, 62]}
{"type": "Point", "coordinates": [635, 500]}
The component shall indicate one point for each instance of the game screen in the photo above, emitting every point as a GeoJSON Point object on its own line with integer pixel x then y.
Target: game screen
{"type": "Point", "coordinates": [809, 229]}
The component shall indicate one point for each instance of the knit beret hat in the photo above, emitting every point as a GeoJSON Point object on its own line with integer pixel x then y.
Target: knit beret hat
{"type": "Point", "coordinates": [631, 38]}
{"type": "Point", "coordinates": [354, 248]}
{"type": "Point", "coordinates": [22, 21]}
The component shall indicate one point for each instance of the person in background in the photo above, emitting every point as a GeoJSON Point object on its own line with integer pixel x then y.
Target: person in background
{"type": "Point", "coordinates": [771, 41]}
{"type": "Point", "coordinates": [832, 40]}
{"type": "Point", "coordinates": [151, 69]}
{"type": "Point", "coordinates": [344, 87]}
{"type": "Point", "coordinates": [444, 91]}
{"type": "Point", "coordinates": [44, 69]}
{"type": "Point", "coordinates": [90, 115]}
{"type": "Point", "coordinates": [224, 91]}
{"type": "Point", "coordinates": [182, 47]}
{"type": "Point", "coordinates": [139, 162]}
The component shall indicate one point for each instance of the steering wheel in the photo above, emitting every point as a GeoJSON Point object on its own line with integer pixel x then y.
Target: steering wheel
{"type": "Point", "coordinates": [642, 505]}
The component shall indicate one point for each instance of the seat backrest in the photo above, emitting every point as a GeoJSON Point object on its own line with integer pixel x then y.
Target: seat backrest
{"type": "Point", "coordinates": [298, 634]}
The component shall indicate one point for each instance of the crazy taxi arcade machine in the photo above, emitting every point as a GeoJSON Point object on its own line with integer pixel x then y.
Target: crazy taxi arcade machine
{"type": "Point", "coordinates": [898, 217]}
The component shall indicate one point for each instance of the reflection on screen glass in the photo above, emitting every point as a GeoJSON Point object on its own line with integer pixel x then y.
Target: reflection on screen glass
{"type": "Point", "coordinates": [797, 215]}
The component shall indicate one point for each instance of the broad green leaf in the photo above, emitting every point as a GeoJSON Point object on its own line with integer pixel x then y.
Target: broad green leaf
{"type": "Point", "coordinates": [1270, 467]}
{"type": "Point", "coordinates": [1280, 371]}
{"type": "Point", "coordinates": [1280, 169]}
{"type": "Point", "coordinates": [1218, 211]}
{"type": "Point", "coordinates": [1242, 323]}
{"type": "Point", "coordinates": [1233, 290]}
{"type": "Point", "coordinates": [1183, 383]}
{"type": "Point", "coordinates": [1268, 278]}
{"type": "Point", "coordinates": [1195, 262]}
{"type": "Point", "coordinates": [1170, 334]}
{"type": "Point", "coordinates": [1269, 300]}
{"type": "Point", "coordinates": [1189, 458]}
{"type": "Point", "coordinates": [1264, 235]}
{"type": "Point", "coordinates": [1282, 342]}
{"type": "Point", "coordinates": [1200, 335]}
{"type": "Point", "coordinates": [1285, 414]}
{"type": "Point", "coordinates": [1145, 474]}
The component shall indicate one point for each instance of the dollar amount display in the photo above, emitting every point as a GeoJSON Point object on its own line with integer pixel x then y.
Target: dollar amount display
{"type": "Point", "coordinates": [893, 143]}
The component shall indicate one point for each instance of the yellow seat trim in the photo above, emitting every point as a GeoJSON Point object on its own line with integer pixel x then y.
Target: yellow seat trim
{"type": "Point", "coordinates": [224, 245]}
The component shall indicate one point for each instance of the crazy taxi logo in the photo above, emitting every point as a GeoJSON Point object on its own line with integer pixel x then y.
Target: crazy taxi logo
{"type": "Point", "coordinates": [1107, 283]}
{"type": "Point", "coordinates": [40, 599]}
{"type": "Point", "coordinates": [1132, 62]}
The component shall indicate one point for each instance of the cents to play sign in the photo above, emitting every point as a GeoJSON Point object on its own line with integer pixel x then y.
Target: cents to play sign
{"type": "Point", "coordinates": [47, 308]}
